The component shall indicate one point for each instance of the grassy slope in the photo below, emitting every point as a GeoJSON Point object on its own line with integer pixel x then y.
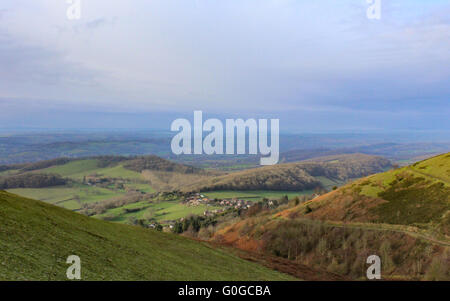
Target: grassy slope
{"type": "Point", "coordinates": [55, 195]}
{"type": "Point", "coordinates": [416, 195]}
{"type": "Point", "coordinates": [36, 238]}
{"type": "Point", "coordinates": [401, 215]}
{"type": "Point", "coordinates": [161, 211]}
{"type": "Point", "coordinates": [80, 168]}
{"type": "Point", "coordinates": [66, 196]}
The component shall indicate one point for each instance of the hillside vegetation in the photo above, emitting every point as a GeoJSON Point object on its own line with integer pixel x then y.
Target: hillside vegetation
{"type": "Point", "coordinates": [402, 215]}
{"type": "Point", "coordinates": [156, 163]}
{"type": "Point", "coordinates": [136, 163]}
{"type": "Point", "coordinates": [76, 183]}
{"type": "Point", "coordinates": [31, 180]}
{"type": "Point", "coordinates": [164, 175]}
{"type": "Point", "coordinates": [341, 248]}
{"type": "Point", "coordinates": [320, 173]}
{"type": "Point", "coordinates": [36, 238]}
{"type": "Point", "coordinates": [125, 189]}
{"type": "Point", "coordinates": [416, 195]}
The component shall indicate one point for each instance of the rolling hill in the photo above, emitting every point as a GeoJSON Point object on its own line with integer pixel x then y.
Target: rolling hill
{"type": "Point", "coordinates": [417, 195]}
{"type": "Point", "coordinates": [126, 189]}
{"type": "Point", "coordinates": [402, 215]}
{"type": "Point", "coordinates": [322, 172]}
{"type": "Point", "coordinates": [75, 183]}
{"type": "Point", "coordinates": [402, 153]}
{"type": "Point", "coordinates": [36, 238]}
{"type": "Point", "coordinates": [72, 167]}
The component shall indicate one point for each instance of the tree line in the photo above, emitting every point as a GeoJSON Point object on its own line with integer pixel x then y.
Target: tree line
{"type": "Point", "coordinates": [31, 180]}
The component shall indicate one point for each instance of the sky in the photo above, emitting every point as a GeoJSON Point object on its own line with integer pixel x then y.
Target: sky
{"type": "Point", "coordinates": [316, 65]}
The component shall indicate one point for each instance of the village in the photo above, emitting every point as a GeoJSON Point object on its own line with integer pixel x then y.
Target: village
{"type": "Point", "coordinates": [210, 209]}
{"type": "Point", "coordinates": [197, 199]}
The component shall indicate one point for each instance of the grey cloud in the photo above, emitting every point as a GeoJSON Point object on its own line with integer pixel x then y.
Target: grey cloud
{"type": "Point", "coordinates": [33, 71]}
{"type": "Point", "coordinates": [324, 59]}
{"type": "Point", "coordinates": [96, 23]}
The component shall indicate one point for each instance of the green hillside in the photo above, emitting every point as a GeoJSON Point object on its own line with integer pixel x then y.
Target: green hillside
{"type": "Point", "coordinates": [402, 215]}
{"type": "Point", "coordinates": [76, 170]}
{"type": "Point", "coordinates": [416, 195]}
{"type": "Point", "coordinates": [107, 186]}
{"type": "Point", "coordinates": [74, 183]}
{"type": "Point", "coordinates": [36, 238]}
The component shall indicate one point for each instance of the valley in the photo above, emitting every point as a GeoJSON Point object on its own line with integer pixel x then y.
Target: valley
{"type": "Point", "coordinates": [321, 215]}
{"type": "Point", "coordinates": [224, 148]}
{"type": "Point", "coordinates": [149, 188]}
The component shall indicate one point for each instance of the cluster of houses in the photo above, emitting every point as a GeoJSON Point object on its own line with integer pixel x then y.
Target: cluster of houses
{"type": "Point", "coordinates": [196, 200]}
{"type": "Point", "coordinates": [237, 204]}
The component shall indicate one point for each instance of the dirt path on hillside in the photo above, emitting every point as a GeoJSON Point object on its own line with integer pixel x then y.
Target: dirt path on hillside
{"type": "Point", "coordinates": [414, 170]}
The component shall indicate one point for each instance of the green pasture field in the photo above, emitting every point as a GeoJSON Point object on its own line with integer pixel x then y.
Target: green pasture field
{"type": "Point", "coordinates": [160, 211]}
{"type": "Point", "coordinates": [78, 169]}
{"type": "Point", "coordinates": [67, 196]}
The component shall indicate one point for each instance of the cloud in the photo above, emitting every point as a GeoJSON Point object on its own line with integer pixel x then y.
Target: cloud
{"type": "Point", "coordinates": [244, 56]}
{"type": "Point", "coordinates": [96, 23]}
{"type": "Point", "coordinates": [36, 72]}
